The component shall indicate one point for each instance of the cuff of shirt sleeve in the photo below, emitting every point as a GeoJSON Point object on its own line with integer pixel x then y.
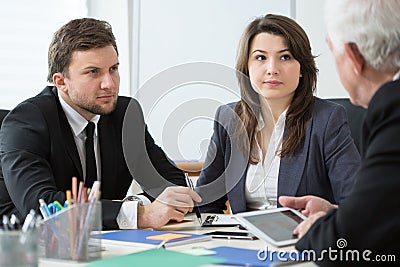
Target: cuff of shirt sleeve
{"type": "Point", "coordinates": [127, 216]}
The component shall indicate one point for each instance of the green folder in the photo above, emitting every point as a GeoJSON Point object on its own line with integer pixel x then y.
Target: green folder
{"type": "Point", "coordinates": [156, 257]}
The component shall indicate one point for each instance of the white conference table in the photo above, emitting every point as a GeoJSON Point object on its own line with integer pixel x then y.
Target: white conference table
{"type": "Point", "coordinates": [190, 225]}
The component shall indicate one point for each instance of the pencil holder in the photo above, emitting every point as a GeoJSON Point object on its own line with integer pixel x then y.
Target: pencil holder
{"type": "Point", "coordinates": [67, 234]}
{"type": "Point", "coordinates": [18, 248]}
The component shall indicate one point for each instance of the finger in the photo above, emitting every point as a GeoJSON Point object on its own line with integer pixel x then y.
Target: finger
{"type": "Point", "coordinates": [195, 196]}
{"type": "Point", "coordinates": [287, 201]}
{"type": "Point", "coordinates": [176, 196]}
{"type": "Point", "coordinates": [186, 191]}
{"type": "Point", "coordinates": [301, 229]}
{"type": "Point", "coordinates": [182, 210]}
{"type": "Point", "coordinates": [296, 230]}
{"type": "Point", "coordinates": [183, 201]}
{"type": "Point", "coordinates": [186, 196]}
{"type": "Point", "coordinates": [305, 212]}
{"type": "Point", "coordinates": [294, 202]}
{"type": "Point", "coordinates": [177, 215]}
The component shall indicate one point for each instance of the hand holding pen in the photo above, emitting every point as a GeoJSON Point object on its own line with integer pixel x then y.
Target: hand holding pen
{"type": "Point", "coordinates": [196, 207]}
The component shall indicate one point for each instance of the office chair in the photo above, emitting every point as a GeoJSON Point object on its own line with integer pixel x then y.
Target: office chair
{"type": "Point", "coordinates": [355, 116]}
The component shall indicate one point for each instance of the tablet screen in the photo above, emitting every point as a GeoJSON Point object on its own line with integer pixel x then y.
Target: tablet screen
{"type": "Point", "coordinates": [278, 225]}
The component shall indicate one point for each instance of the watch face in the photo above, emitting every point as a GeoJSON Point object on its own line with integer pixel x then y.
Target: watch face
{"type": "Point", "coordinates": [134, 198]}
{"type": "Point", "coordinates": [131, 198]}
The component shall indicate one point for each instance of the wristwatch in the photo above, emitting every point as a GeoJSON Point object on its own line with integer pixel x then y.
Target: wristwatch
{"type": "Point", "coordinates": [133, 198]}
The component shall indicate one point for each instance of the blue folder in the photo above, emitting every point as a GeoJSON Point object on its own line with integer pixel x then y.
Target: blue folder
{"type": "Point", "coordinates": [250, 257]}
{"type": "Point", "coordinates": [139, 237]}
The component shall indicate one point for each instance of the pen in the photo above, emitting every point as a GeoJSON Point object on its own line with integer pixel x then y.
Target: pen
{"type": "Point", "coordinates": [196, 207]}
{"type": "Point", "coordinates": [162, 244]}
{"type": "Point", "coordinates": [15, 223]}
{"type": "Point", "coordinates": [44, 209]}
{"type": "Point", "coordinates": [69, 204]}
{"type": "Point", "coordinates": [29, 224]}
{"type": "Point", "coordinates": [6, 222]}
{"type": "Point", "coordinates": [80, 193]}
{"type": "Point", "coordinates": [75, 189]}
{"type": "Point", "coordinates": [58, 205]}
{"type": "Point", "coordinates": [29, 221]}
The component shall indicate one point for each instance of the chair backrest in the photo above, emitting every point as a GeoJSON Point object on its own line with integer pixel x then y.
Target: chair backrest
{"type": "Point", "coordinates": [355, 116]}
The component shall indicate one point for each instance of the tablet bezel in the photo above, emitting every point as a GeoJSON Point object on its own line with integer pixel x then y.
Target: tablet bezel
{"type": "Point", "coordinates": [243, 219]}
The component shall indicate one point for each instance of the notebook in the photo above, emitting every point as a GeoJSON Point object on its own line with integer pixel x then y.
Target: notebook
{"type": "Point", "coordinates": [156, 257]}
{"type": "Point", "coordinates": [150, 238]}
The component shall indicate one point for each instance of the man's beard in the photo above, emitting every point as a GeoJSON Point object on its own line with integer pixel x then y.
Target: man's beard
{"type": "Point", "coordinates": [97, 109]}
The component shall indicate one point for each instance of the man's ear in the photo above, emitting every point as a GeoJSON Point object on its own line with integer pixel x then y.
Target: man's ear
{"type": "Point", "coordinates": [356, 59]}
{"type": "Point", "coordinates": [59, 81]}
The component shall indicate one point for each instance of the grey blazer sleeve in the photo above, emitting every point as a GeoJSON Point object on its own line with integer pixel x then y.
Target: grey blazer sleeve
{"type": "Point", "coordinates": [342, 159]}
{"type": "Point", "coordinates": [213, 168]}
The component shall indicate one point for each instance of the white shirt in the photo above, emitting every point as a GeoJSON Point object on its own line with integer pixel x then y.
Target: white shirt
{"type": "Point", "coordinates": [396, 76]}
{"type": "Point", "coordinates": [127, 216]}
{"type": "Point", "coordinates": [78, 124]}
{"type": "Point", "coordinates": [261, 188]}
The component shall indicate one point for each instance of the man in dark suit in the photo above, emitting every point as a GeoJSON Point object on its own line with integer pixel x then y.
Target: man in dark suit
{"type": "Point", "coordinates": [364, 37]}
{"type": "Point", "coordinates": [43, 140]}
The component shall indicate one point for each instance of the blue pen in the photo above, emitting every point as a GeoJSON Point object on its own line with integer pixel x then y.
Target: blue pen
{"type": "Point", "coordinates": [52, 208]}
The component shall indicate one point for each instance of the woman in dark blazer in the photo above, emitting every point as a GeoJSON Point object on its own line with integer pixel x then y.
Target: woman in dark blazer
{"type": "Point", "coordinates": [278, 139]}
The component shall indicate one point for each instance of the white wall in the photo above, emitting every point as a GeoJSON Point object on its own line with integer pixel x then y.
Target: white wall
{"type": "Point", "coordinates": [116, 13]}
{"type": "Point", "coordinates": [180, 108]}
{"type": "Point", "coordinates": [309, 14]}
{"type": "Point", "coordinates": [155, 35]}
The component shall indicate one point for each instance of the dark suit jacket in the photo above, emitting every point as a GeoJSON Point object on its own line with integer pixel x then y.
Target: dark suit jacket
{"type": "Point", "coordinates": [323, 166]}
{"type": "Point", "coordinates": [39, 156]}
{"type": "Point", "coordinates": [369, 218]}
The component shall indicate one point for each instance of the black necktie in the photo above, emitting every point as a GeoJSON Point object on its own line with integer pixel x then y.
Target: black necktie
{"type": "Point", "coordinates": [91, 169]}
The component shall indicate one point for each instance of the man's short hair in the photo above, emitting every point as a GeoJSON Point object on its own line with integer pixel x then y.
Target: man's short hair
{"type": "Point", "coordinates": [77, 35]}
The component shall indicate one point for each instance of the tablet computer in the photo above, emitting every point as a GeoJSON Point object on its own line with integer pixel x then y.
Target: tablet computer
{"type": "Point", "coordinates": [274, 226]}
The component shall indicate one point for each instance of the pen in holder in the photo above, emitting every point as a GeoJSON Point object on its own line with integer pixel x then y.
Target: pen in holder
{"type": "Point", "coordinates": [67, 234]}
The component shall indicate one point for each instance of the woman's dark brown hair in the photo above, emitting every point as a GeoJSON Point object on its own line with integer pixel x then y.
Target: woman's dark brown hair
{"type": "Point", "coordinates": [300, 108]}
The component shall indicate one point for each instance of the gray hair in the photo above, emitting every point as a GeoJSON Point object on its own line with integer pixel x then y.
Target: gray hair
{"type": "Point", "coordinates": [373, 25]}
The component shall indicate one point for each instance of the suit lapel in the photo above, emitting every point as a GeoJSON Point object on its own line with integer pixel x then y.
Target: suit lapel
{"type": "Point", "coordinates": [67, 137]}
{"type": "Point", "coordinates": [291, 169]}
{"type": "Point", "coordinates": [235, 172]}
